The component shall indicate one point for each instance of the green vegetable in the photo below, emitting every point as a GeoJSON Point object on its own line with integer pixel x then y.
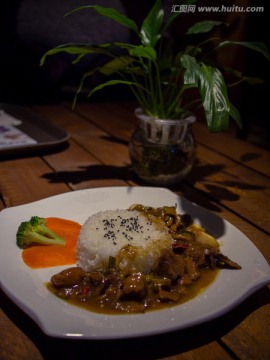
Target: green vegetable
{"type": "Point", "coordinates": [35, 231]}
{"type": "Point", "coordinates": [164, 72]}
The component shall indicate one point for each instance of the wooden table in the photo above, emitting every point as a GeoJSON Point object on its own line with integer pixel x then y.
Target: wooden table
{"type": "Point", "coordinates": [231, 178]}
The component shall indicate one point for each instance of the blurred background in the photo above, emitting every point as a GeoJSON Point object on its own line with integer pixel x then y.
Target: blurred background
{"type": "Point", "coordinates": [28, 28]}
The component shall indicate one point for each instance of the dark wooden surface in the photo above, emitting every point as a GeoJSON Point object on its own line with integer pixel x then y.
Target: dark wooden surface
{"type": "Point", "coordinates": [230, 178]}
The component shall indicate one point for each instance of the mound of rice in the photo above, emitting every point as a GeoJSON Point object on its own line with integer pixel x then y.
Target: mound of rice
{"type": "Point", "coordinates": [135, 241]}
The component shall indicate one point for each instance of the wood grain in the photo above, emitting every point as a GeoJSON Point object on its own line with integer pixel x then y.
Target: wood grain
{"type": "Point", "coordinates": [230, 178]}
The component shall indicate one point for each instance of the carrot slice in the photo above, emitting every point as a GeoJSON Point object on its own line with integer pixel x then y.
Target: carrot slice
{"type": "Point", "coordinates": [42, 256]}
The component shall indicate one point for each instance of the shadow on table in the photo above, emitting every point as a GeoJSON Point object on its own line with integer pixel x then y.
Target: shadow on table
{"type": "Point", "coordinates": [152, 347]}
{"type": "Point", "coordinates": [217, 190]}
{"type": "Point", "coordinates": [93, 172]}
{"type": "Point", "coordinates": [221, 188]}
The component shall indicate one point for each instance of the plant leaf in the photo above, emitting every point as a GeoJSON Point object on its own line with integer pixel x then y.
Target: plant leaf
{"type": "Point", "coordinates": [234, 113]}
{"type": "Point", "coordinates": [79, 89]}
{"type": "Point", "coordinates": [112, 14]}
{"type": "Point", "coordinates": [249, 79]}
{"type": "Point", "coordinates": [74, 49]}
{"type": "Point", "coordinates": [150, 31]}
{"type": "Point", "coordinates": [214, 96]}
{"type": "Point", "coordinates": [124, 45]}
{"type": "Point", "coordinates": [203, 27]}
{"type": "Point", "coordinates": [119, 63]}
{"type": "Point", "coordinates": [192, 70]}
{"type": "Point", "coordinates": [253, 80]}
{"type": "Point", "coordinates": [144, 51]}
{"type": "Point", "coordinates": [253, 45]}
{"type": "Point", "coordinates": [111, 83]}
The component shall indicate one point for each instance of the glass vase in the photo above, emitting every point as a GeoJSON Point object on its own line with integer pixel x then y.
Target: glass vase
{"type": "Point", "coordinates": [162, 152]}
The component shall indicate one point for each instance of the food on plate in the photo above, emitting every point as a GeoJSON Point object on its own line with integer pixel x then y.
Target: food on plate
{"type": "Point", "coordinates": [39, 256]}
{"type": "Point", "coordinates": [136, 241]}
{"type": "Point", "coordinates": [35, 231]}
{"type": "Point", "coordinates": [140, 259]}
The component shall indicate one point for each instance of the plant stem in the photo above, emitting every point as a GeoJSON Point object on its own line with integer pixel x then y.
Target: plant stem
{"type": "Point", "coordinates": [160, 93]}
{"type": "Point", "coordinates": [235, 83]}
{"type": "Point", "coordinates": [151, 86]}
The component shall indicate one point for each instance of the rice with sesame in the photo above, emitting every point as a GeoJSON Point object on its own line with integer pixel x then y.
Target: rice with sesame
{"type": "Point", "coordinates": [136, 242]}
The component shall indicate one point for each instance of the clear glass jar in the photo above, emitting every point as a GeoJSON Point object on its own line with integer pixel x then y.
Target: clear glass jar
{"type": "Point", "coordinates": [162, 151]}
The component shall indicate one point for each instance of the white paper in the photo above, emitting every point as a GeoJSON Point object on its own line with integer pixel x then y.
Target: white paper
{"type": "Point", "coordinates": [10, 136]}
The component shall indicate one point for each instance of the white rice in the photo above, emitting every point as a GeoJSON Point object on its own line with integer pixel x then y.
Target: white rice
{"type": "Point", "coordinates": [135, 241]}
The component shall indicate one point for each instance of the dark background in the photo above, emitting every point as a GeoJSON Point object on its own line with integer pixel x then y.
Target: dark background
{"type": "Point", "coordinates": [28, 28]}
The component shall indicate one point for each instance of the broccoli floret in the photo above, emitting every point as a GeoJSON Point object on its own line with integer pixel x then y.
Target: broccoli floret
{"type": "Point", "coordinates": [35, 231]}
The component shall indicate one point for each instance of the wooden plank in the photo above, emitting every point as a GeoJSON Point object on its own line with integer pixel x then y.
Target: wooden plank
{"type": "Point", "coordinates": [78, 168]}
{"type": "Point", "coordinates": [238, 150]}
{"type": "Point", "coordinates": [90, 136]}
{"type": "Point", "coordinates": [250, 339]}
{"type": "Point", "coordinates": [121, 121]}
{"type": "Point", "coordinates": [14, 343]}
{"type": "Point", "coordinates": [241, 195]}
{"type": "Point", "coordinates": [244, 177]}
{"type": "Point", "coordinates": [24, 180]}
{"type": "Point", "coordinates": [109, 152]}
{"type": "Point", "coordinates": [63, 116]}
{"type": "Point", "coordinates": [211, 351]}
{"type": "Point", "coordinates": [217, 178]}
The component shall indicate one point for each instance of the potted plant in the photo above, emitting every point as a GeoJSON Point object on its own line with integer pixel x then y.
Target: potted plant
{"type": "Point", "coordinates": [162, 75]}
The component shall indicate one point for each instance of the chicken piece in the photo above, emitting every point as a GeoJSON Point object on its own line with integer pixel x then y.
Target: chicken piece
{"type": "Point", "coordinates": [135, 286]}
{"type": "Point", "coordinates": [68, 277]}
{"type": "Point", "coordinates": [171, 266]}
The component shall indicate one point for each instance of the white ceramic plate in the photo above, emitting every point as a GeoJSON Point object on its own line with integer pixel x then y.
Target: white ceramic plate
{"type": "Point", "coordinates": [60, 319]}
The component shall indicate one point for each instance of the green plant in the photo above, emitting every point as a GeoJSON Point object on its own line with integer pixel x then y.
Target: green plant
{"type": "Point", "coordinates": [160, 74]}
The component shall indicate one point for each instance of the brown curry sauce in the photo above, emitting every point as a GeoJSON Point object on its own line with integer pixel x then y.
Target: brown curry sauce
{"type": "Point", "coordinates": [182, 273]}
{"type": "Point", "coordinates": [128, 306]}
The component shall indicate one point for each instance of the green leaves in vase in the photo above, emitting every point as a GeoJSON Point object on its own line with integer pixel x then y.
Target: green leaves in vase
{"type": "Point", "coordinates": [161, 70]}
